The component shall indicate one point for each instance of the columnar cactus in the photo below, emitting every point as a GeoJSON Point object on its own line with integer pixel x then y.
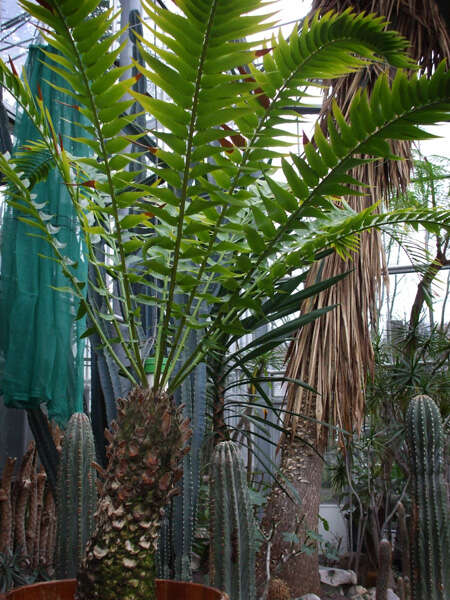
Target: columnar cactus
{"type": "Point", "coordinates": [403, 588]}
{"type": "Point", "coordinates": [430, 575]}
{"type": "Point", "coordinates": [6, 506]}
{"type": "Point", "coordinates": [177, 531]}
{"type": "Point", "coordinates": [76, 497]}
{"type": "Point", "coordinates": [403, 538]}
{"type": "Point", "coordinates": [147, 445]}
{"type": "Point", "coordinates": [384, 569]}
{"type": "Point", "coordinates": [232, 525]}
{"type": "Point", "coordinates": [27, 544]}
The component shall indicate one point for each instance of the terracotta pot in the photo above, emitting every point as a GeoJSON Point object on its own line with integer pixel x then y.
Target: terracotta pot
{"type": "Point", "coordinates": [64, 589]}
{"type": "Point", "coordinates": [371, 579]}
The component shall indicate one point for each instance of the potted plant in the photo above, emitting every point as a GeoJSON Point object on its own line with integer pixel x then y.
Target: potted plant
{"type": "Point", "coordinates": [210, 235]}
{"type": "Point", "coordinates": [65, 589]}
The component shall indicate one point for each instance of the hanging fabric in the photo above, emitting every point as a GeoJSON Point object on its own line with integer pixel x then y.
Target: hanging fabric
{"type": "Point", "coordinates": [5, 138]}
{"type": "Point", "coordinates": [41, 354]}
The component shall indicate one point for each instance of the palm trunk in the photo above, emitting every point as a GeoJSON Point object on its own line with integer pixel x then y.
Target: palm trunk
{"type": "Point", "coordinates": [302, 468]}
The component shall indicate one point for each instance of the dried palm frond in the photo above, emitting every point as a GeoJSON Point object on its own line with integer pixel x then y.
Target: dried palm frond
{"type": "Point", "coordinates": [334, 354]}
{"type": "Point", "coordinates": [420, 21]}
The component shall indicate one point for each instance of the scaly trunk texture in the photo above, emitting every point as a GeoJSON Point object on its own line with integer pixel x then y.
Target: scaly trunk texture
{"type": "Point", "coordinates": [302, 467]}
{"type": "Point", "coordinates": [147, 444]}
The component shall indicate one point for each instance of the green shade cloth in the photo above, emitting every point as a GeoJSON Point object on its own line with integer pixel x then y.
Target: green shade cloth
{"type": "Point", "coordinates": [41, 354]}
{"type": "Point", "coordinates": [5, 140]}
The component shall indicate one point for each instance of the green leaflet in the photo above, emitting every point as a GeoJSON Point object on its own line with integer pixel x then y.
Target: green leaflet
{"type": "Point", "coordinates": [211, 210]}
{"type": "Point", "coordinates": [282, 196]}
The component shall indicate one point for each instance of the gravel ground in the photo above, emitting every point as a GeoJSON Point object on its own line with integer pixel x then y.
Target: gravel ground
{"type": "Point", "coordinates": [333, 596]}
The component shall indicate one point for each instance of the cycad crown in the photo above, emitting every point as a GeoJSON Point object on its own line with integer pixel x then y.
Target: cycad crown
{"type": "Point", "coordinates": [212, 216]}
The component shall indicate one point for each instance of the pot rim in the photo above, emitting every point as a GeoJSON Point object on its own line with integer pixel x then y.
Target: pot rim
{"type": "Point", "coordinates": [43, 584]}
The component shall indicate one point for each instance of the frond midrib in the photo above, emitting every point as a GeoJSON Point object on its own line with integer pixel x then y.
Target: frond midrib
{"type": "Point", "coordinates": [135, 358]}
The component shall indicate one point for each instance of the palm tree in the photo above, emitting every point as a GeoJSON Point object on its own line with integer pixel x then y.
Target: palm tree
{"type": "Point", "coordinates": [334, 354]}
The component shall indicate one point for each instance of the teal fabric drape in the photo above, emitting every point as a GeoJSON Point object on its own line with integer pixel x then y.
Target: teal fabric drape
{"type": "Point", "coordinates": [41, 354]}
{"type": "Point", "coordinates": [5, 140]}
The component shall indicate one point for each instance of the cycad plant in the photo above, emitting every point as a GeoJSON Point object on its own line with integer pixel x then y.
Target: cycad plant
{"type": "Point", "coordinates": [211, 216]}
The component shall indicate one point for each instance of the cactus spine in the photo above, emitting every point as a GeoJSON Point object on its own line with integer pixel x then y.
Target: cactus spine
{"type": "Point", "coordinates": [384, 569]}
{"type": "Point", "coordinates": [278, 590]}
{"type": "Point", "coordinates": [430, 531]}
{"type": "Point", "coordinates": [76, 495]}
{"type": "Point", "coordinates": [232, 525]}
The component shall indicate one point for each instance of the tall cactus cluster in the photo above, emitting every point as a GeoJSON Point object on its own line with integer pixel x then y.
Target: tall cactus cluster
{"type": "Point", "coordinates": [232, 564]}
{"type": "Point", "coordinates": [27, 522]}
{"type": "Point", "coordinates": [403, 543]}
{"type": "Point", "coordinates": [384, 569]}
{"type": "Point", "coordinates": [147, 444]}
{"type": "Point", "coordinates": [76, 496]}
{"type": "Point", "coordinates": [177, 528]}
{"type": "Point", "coordinates": [430, 540]}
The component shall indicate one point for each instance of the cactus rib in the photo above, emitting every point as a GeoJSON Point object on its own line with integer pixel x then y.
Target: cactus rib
{"type": "Point", "coordinates": [232, 525]}
{"type": "Point", "coordinates": [76, 495]}
{"type": "Point", "coordinates": [430, 530]}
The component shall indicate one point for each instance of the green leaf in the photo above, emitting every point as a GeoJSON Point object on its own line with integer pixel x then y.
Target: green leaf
{"type": "Point", "coordinates": [274, 210]}
{"type": "Point", "coordinates": [279, 333]}
{"type": "Point", "coordinates": [33, 223]}
{"type": "Point", "coordinates": [264, 224]}
{"type": "Point", "coordinates": [147, 300]}
{"type": "Point", "coordinates": [255, 241]}
{"type": "Point", "coordinates": [133, 220]}
{"type": "Point", "coordinates": [282, 196]}
{"type": "Point", "coordinates": [310, 177]}
{"type": "Point", "coordinates": [297, 185]}
{"type": "Point", "coordinates": [64, 289]}
{"type": "Point", "coordinates": [88, 332]}
{"type": "Point", "coordinates": [169, 115]}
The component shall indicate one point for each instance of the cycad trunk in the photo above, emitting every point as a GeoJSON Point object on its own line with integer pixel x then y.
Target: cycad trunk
{"type": "Point", "coordinates": [302, 467]}
{"type": "Point", "coordinates": [147, 444]}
